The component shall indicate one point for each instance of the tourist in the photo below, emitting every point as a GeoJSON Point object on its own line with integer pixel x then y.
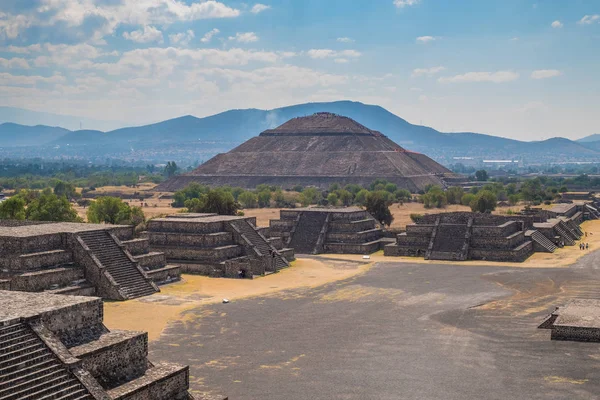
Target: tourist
{"type": "Point", "coordinates": [587, 246]}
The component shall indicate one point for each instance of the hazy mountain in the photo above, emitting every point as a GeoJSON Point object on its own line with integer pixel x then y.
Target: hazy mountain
{"type": "Point", "coordinates": [23, 116]}
{"type": "Point", "coordinates": [12, 135]}
{"type": "Point", "coordinates": [591, 138]}
{"type": "Point", "coordinates": [188, 135]}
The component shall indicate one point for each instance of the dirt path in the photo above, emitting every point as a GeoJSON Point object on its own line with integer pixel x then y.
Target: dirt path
{"type": "Point", "coordinates": [153, 313]}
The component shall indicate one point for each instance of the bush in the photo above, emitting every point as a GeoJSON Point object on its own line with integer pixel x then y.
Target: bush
{"type": "Point", "coordinates": [416, 217]}
{"type": "Point", "coordinates": [435, 197]}
{"type": "Point", "coordinates": [484, 201]}
{"type": "Point", "coordinates": [248, 200]}
{"type": "Point", "coordinates": [13, 208]}
{"type": "Point", "coordinates": [110, 210]}
{"type": "Point", "coordinates": [377, 205]}
{"type": "Point", "coordinates": [467, 199]}
{"type": "Point", "coordinates": [361, 197]}
{"type": "Point", "coordinates": [332, 199]}
{"type": "Point", "coordinates": [454, 194]}
{"type": "Point", "coordinates": [50, 207]}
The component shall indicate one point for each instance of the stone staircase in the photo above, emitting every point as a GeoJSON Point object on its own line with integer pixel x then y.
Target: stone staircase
{"type": "Point", "coordinates": [29, 370]}
{"type": "Point", "coordinates": [543, 241]}
{"type": "Point", "coordinates": [449, 242]}
{"type": "Point", "coordinates": [306, 235]}
{"type": "Point", "coordinates": [566, 236]}
{"type": "Point", "coordinates": [261, 243]}
{"type": "Point", "coordinates": [123, 270]}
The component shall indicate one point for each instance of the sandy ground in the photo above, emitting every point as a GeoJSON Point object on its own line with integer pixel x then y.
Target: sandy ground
{"type": "Point", "coordinates": [153, 313]}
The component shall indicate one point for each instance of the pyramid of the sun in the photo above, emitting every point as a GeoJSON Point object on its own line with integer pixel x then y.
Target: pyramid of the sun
{"type": "Point", "coordinates": [317, 150]}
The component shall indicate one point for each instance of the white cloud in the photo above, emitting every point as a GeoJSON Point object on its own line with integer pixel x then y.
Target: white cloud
{"type": "Point", "coordinates": [14, 63]}
{"type": "Point", "coordinates": [545, 73]}
{"type": "Point", "coordinates": [416, 89]}
{"type": "Point", "coordinates": [515, 39]}
{"type": "Point", "coordinates": [557, 24]}
{"type": "Point", "coordinates": [589, 19]}
{"type": "Point", "coordinates": [145, 35]}
{"type": "Point", "coordinates": [328, 53]}
{"type": "Point", "coordinates": [495, 77]}
{"type": "Point", "coordinates": [425, 39]}
{"type": "Point", "coordinates": [341, 60]}
{"type": "Point", "coordinates": [404, 3]}
{"type": "Point", "coordinates": [258, 8]}
{"type": "Point", "coordinates": [345, 40]}
{"type": "Point", "coordinates": [182, 38]}
{"type": "Point", "coordinates": [22, 50]}
{"type": "Point", "coordinates": [28, 80]}
{"type": "Point", "coordinates": [245, 37]}
{"type": "Point", "coordinates": [209, 35]}
{"type": "Point", "coordinates": [12, 25]}
{"type": "Point", "coordinates": [427, 71]}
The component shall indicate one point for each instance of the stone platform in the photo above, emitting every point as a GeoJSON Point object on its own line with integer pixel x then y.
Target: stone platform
{"type": "Point", "coordinates": [57, 347]}
{"type": "Point", "coordinates": [80, 259]}
{"type": "Point", "coordinates": [579, 320]}
{"type": "Point", "coordinates": [216, 245]}
{"type": "Point", "coordinates": [349, 230]}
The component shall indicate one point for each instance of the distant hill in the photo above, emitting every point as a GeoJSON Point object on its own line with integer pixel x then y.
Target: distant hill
{"type": "Point", "coordinates": [13, 135]}
{"type": "Point", "coordinates": [23, 116]}
{"type": "Point", "coordinates": [185, 136]}
{"type": "Point", "coordinates": [591, 138]}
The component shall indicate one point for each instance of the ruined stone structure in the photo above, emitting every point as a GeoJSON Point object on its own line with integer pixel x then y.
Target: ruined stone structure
{"type": "Point", "coordinates": [57, 347]}
{"type": "Point", "coordinates": [80, 259]}
{"type": "Point", "coordinates": [217, 245]}
{"type": "Point", "coordinates": [578, 321]}
{"type": "Point", "coordinates": [317, 150]}
{"type": "Point", "coordinates": [461, 236]}
{"type": "Point", "coordinates": [328, 230]}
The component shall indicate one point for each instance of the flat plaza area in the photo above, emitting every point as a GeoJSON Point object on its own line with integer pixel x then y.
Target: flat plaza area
{"type": "Point", "coordinates": [339, 327]}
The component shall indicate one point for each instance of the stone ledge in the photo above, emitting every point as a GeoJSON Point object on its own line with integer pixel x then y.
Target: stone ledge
{"type": "Point", "coordinates": [164, 381]}
{"type": "Point", "coordinates": [105, 342]}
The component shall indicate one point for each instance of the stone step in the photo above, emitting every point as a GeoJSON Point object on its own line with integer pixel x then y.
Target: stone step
{"type": "Point", "coordinates": [38, 386]}
{"type": "Point", "coordinates": [25, 352]}
{"type": "Point", "coordinates": [23, 379]}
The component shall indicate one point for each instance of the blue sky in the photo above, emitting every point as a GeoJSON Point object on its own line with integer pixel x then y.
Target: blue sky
{"type": "Point", "coordinates": [521, 69]}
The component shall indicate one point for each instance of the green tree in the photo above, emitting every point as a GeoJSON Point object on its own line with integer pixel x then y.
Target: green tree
{"type": "Point", "coordinates": [50, 207]}
{"type": "Point", "coordinates": [309, 196]}
{"type": "Point", "coordinates": [171, 169]}
{"type": "Point", "coordinates": [345, 197]}
{"type": "Point", "coordinates": [279, 198]}
{"type": "Point", "coordinates": [248, 199]}
{"type": "Point", "coordinates": [403, 195]}
{"type": "Point", "coordinates": [353, 188]}
{"type": "Point", "coordinates": [192, 191]}
{"type": "Point", "coordinates": [467, 199]}
{"type": "Point", "coordinates": [435, 197]}
{"type": "Point", "coordinates": [220, 202]}
{"type": "Point", "coordinates": [454, 194]}
{"type": "Point", "coordinates": [513, 199]}
{"type": "Point", "coordinates": [332, 199]}
{"type": "Point", "coordinates": [264, 198]}
{"type": "Point", "coordinates": [110, 210]}
{"type": "Point", "coordinates": [481, 175]}
{"type": "Point", "coordinates": [361, 197]}
{"type": "Point", "coordinates": [13, 208]}
{"type": "Point", "coordinates": [377, 205]}
{"type": "Point", "coordinates": [484, 201]}
{"type": "Point", "coordinates": [65, 189]}
{"type": "Point", "coordinates": [390, 187]}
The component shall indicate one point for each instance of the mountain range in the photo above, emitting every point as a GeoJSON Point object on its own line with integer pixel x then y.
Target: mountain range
{"type": "Point", "coordinates": [224, 131]}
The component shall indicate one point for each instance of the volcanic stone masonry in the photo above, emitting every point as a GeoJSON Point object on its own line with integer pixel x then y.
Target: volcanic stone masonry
{"type": "Point", "coordinates": [57, 347]}
{"type": "Point", "coordinates": [579, 321]}
{"type": "Point", "coordinates": [328, 230]}
{"type": "Point", "coordinates": [80, 259]}
{"type": "Point", "coordinates": [459, 236]}
{"type": "Point", "coordinates": [217, 245]}
{"type": "Point", "coordinates": [317, 150]}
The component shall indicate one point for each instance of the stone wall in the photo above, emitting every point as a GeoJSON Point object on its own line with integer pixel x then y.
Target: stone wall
{"type": "Point", "coordinates": [45, 279]}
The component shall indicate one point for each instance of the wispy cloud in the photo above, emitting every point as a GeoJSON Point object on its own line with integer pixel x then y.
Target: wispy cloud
{"type": "Point", "coordinates": [345, 40]}
{"type": "Point", "coordinates": [494, 77]}
{"type": "Point", "coordinates": [209, 35]}
{"type": "Point", "coordinates": [182, 38]}
{"type": "Point", "coordinates": [245, 37]}
{"type": "Point", "coordinates": [258, 8]}
{"type": "Point", "coordinates": [557, 24]}
{"type": "Point", "coordinates": [589, 19]}
{"type": "Point", "coordinates": [15, 63]}
{"type": "Point", "coordinates": [328, 53]}
{"type": "Point", "coordinates": [427, 71]}
{"type": "Point", "coordinates": [545, 73]}
{"type": "Point", "coordinates": [404, 3]}
{"type": "Point", "coordinates": [425, 39]}
{"type": "Point", "coordinates": [145, 35]}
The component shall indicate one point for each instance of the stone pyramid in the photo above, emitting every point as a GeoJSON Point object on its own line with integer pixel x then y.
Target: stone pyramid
{"type": "Point", "coordinates": [317, 150]}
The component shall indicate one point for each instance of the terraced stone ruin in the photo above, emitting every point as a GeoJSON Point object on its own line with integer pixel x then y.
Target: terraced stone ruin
{"type": "Point", "coordinates": [57, 347]}
{"type": "Point", "coordinates": [578, 320]}
{"type": "Point", "coordinates": [328, 230]}
{"type": "Point", "coordinates": [460, 236]}
{"type": "Point", "coordinates": [217, 245]}
{"type": "Point", "coordinates": [80, 259]}
{"type": "Point", "coordinates": [317, 150]}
